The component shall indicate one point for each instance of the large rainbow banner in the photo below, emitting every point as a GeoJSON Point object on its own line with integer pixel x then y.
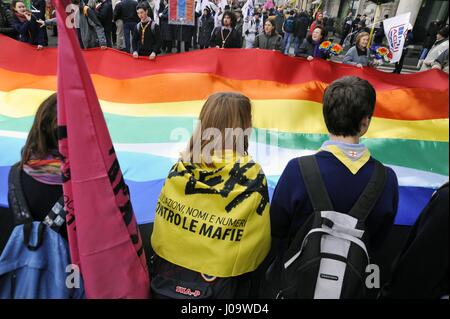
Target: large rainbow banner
{"type": "Point", "coordinates": [151, 109]}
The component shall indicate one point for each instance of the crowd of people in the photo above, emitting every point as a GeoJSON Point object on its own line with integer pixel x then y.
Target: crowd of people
{"type": "Point", "coordinates": [123, 24]}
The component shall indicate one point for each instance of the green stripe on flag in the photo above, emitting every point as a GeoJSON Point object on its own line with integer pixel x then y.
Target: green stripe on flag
{"type": "Point", "coordinates": [124, 129]}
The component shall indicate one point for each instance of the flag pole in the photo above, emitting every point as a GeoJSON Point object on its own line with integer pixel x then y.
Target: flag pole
{"type": "Point", "coordinates": [377, 12]}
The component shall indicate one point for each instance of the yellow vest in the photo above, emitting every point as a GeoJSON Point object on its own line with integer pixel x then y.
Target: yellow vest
{"type": "Point", "coordinates": [214, 219]}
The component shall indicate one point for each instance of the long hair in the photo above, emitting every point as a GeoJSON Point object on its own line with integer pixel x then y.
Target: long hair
{"type": "Point", "coordinates": [42, 138]}
{"type": "Point", "coordinates": [225, 123]}
{"type": "Point", "coordinates": [359, 37]}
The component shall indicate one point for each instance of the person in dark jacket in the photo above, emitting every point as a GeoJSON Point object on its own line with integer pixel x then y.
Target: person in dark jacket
{"type": "Point", "coordinates": [279, 21]}
{"type": "Point", "coordinates": [309, 49]}
{"type": "Point", "coordinates": [301, 29]}
{"type": "Point", "coordinates": [408, 41]}
{"type": "Point", "coordinates": [421, 269]}
{"type": "Point", "coordinates": [41, 5]}
{"type": "Point", "coordinates": [125, 10]}
{"type": "Point", "coordinates": [6, 21]}
{"type": "Point", "coordinates": [105, 16]}
{"type": "Point", "coordinates": [166, 29]}
{"type": "Point", "coordinates": [269, 39]}
{"type": "Point", "coordinates": [29, 28]}
{"type": "Point", "coordinates": [379, 33]}
{"type": "Point", "coordinates": [226, 35]}
{"type": "Point", "coordinates": [146, 36]}
{"type": "Point", "coordinates": [348, 106]}
{"type": "Point", "coordinates": [206, 28]}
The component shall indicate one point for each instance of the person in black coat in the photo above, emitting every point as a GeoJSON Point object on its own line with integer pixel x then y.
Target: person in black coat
{"type": "Point", "coordinates": [166, 30]}
{"type": "Point", "coordinates": [125, 10]}
{"type": "Point", "coordinates": [41, 6]}
{"type": "Point", "coordinates": [6, 21]}
{"type": "Point", "coordinates": [105, 16]}
{"type": "Point", "coordinates": [421, 269]}
{"type": "Point", "coordinates": [206, 28]}
{"type": "Point", "coordinates": [300, 29]}
{"type": "Point", "coordinates": [226, 35]}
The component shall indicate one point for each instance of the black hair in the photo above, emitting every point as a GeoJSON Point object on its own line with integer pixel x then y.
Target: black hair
{"type": "Point", "coordinates": [232, 17]}
{"type": "Point", "coordinates": [144, 6]}
{"type": "Point", "coordinates": [444, 31]}
{"type": "Point", "coordinates": [346, 102]}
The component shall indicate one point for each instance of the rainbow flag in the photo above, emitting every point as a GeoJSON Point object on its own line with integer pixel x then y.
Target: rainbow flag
{"type": "Point", "coordinates": [151, 108]}
{"type": "Point", "coordinates": [182, 12]}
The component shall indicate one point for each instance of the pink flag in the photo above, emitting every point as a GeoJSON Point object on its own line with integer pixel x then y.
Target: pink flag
{"type": "Point", "coordinates": [103, 236]}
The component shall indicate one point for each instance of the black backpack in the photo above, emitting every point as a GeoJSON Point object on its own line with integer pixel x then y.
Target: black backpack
{"type": "Point", "coordinates": [55, 219]}
{"type": "Point", "coordinates": [328, 256]}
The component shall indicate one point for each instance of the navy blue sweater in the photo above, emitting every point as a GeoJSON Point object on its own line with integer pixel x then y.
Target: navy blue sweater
{"type": "Point", "coordinates": [291, 206]}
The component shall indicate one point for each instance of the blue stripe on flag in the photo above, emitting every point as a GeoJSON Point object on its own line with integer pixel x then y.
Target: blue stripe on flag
{"type": "Point", "coordinates": [181, 10]}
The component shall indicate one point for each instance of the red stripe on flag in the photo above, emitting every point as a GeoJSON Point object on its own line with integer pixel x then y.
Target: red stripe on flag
{"type": "Point", "coordinates": [173, 4]}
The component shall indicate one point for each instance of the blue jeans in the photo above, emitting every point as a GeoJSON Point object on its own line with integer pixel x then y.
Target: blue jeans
{"type": "Point", "coordinates": [128, 30]}
{"type": "Point", "coordinates": [287, 42]}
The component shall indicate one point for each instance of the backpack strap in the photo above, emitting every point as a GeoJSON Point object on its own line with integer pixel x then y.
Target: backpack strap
{"type": "Point", "coordinates": [22, 215]}
{"type": "Point", "coordinates": [315, 187]}
{"type": "Point", "coordinates": [57, 215]}
{"type": "Point", "coordinates": [152, 26]}
{"type": "Point", "coordinates": [16, 197]}
{"type": "Point", "coordinates": [369, 197]}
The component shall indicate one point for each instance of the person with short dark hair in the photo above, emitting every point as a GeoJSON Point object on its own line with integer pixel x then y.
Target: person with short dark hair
{"type": "Point", "coordinates": [226, 35]}
{"type": "Point", "coordinates": [346, 166]}
{"type": "Point", "coordinates": [309, 49]}
{"type": "Point", "coordinates": [146, 36]}
{"type": "Point", "coordinates": [125, 10]}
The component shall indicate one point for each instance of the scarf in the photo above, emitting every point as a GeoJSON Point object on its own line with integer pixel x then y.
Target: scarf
{"type": "Point", "coordinates": [361, 52]}
{"type": "Point", "coordinates": [353, 156]}
{"type": "Point", "coordinates": [47, 171]}
{"type": "Point", "coordinates": [21, 17]}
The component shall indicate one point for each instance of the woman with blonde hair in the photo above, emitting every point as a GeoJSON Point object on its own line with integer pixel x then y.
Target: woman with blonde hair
{"type": "Point", "coordinates": [212, 225]}
{"type": "Point", "coordinates": [358, 55]}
